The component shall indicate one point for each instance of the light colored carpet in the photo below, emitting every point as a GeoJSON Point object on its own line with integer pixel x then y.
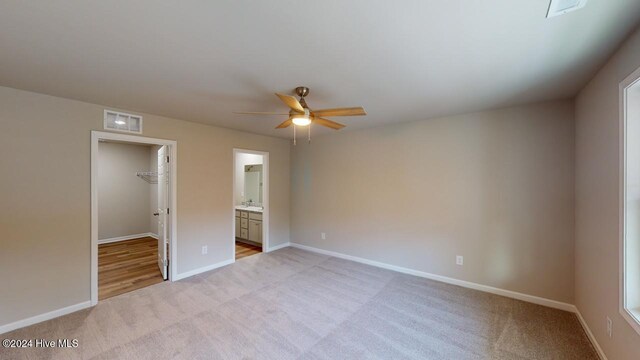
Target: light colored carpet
{"type": "Point", "coordinates": [293, 304]}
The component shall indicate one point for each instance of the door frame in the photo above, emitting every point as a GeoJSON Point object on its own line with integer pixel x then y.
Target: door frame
{"type": "Point", "coordinates": [631, 317]}
{"type": "Point", "coordinates": [96, 136]}
{"type": "Point", "coordinates": [265, 199]}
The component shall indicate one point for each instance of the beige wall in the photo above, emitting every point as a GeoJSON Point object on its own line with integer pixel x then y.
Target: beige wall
{"type": "Point", "coordinates": [495, 187]}
{"type": "Point", "coordinates": [45, 207]}
{"type": "Point", "coordinates": [597, 203]}
{"type": "Point", "coordinates": [123, 198]}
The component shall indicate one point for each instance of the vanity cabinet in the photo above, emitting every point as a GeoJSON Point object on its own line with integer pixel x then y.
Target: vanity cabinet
{"type": "Point", "coordinates": [249, 226]}
{"type": "Point", "coordinates": [238, 223]}
{"type": "Point", "coordinates": [255, 231]}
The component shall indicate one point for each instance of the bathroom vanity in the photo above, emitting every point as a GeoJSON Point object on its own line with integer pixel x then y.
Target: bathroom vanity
{"type": "Point", "coordinates": [249, 224]}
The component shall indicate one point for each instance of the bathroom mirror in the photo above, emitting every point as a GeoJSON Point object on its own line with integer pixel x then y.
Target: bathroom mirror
{"type": "Point", "coordinates": [253, 184]}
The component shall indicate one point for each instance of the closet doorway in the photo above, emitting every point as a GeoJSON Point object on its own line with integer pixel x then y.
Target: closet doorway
{"type": "Point", "coordinates": [250, 202]}
{"type": "Point", "coordinates": [133, 237]}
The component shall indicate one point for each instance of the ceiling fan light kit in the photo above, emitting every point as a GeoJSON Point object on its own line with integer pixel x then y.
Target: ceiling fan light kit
{"type": "Point", "coordinates": [301, 119]}
{"type": "Point", "coordinates": [301, 115]}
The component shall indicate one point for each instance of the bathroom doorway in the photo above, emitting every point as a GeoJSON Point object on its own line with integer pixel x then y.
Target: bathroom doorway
{"type": "Point", "coordinates": [250, 202]}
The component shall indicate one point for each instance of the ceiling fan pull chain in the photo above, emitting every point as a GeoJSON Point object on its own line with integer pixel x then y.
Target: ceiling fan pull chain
{"type": "Point", "coordinates": [294, 135]}
{"type": "Point", "coordinates": [309, 133]}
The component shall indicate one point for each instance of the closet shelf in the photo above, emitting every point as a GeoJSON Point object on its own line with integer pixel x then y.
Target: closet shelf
{"type": "Point", "coordinates": [149, 176]}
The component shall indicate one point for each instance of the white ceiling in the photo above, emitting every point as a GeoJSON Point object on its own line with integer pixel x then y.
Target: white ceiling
{"type": "Point", "coordinates": [401, 60]}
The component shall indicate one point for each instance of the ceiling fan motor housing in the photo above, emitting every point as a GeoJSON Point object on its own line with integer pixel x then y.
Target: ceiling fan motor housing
{"type": "Point", "coordinates": [302, 91]}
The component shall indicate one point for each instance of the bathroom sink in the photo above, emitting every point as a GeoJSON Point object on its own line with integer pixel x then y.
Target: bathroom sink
{"type": "Point", "coordinates": [249, 208]}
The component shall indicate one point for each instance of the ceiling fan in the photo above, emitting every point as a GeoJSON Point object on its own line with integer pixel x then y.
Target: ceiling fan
{"type": "Point", "coordinates": [300, 114]}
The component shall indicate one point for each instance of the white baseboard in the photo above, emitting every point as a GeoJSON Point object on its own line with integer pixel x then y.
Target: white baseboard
{"type": "Point", "coordinates": [490, 289]}
{"type": "Point", "coordinates": [197, 271]}
{"type": "Point", "coordinates": [590, 335]}
{"type": "Point", "coordinates": [127, 237]}
{"type": "Point", "coordinates": [278, 247]}
{"type": "Point", "coordinates": [43, 317]}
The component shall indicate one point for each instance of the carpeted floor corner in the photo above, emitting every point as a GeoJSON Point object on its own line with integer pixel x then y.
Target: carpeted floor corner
{"type": "Point", "coordinates": [294, 304]}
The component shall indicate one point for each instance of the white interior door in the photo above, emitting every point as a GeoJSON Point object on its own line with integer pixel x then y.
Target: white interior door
{"type": "Point", "coordinates": [163, 209]}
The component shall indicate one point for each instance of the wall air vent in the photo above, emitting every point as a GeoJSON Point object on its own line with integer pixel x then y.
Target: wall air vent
{"type": "Point", "coordinates": [561, 7]}
{"type": "Point", "coordinates": [118, 121]}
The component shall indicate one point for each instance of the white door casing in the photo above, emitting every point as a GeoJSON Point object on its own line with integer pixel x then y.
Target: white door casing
{"type": "Point", "coordinates": [163, 210]}
{"type": "Point", "coordinates": [172, 233]}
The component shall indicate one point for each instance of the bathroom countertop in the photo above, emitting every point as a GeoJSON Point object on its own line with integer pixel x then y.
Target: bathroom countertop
{"type": "Point", "coordinates": [255, 209]}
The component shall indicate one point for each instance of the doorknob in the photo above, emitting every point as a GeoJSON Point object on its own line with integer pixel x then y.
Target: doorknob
{"type": "Point", "coordinates": [156, 214]}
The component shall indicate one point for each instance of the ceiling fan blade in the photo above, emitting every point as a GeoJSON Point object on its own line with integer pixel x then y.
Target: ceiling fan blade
{"type": "Point", "coordinates": [352, 111]}
{"type": "Point", "coordinates": [285, 124]}
{"type": "Point", "coordinates": [328, 123]}
{"type": "Point", "coordinates": [258, 113]}
{"type": "Point", "coordinates": [291, 102]}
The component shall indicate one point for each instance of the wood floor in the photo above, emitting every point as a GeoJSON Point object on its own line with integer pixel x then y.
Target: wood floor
{"type": "Point", "coordinates": [126, 266]}
{"type": "Point", "coordinates": [244, 250]}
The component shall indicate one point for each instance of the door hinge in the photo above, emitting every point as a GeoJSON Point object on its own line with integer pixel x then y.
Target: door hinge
{"type": "Point", "coordinates": [167, 211]}
{"type": "Point", "coordinates": [167, 159]}
{"type": "Point", "coordinates": [165, 262]}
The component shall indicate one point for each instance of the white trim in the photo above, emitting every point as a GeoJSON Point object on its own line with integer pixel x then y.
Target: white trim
{"type": "Point", "coordinates": [265, 199]}
{"type": "Point", "coordinates": [467, 284]}
{"type": "Point", "coordinates": [173, 200]}
{"type": "Point", "coordinates": [127, 237]}
{"type": "Point", "coordinates": [44, 317]}
{"type": "Point", "coordinates": [553, 10]}
{"type": "Point", "coordinates": [632, 79]}
{"type": "Point", "coordinates": [197, 271]}
{"type": "Point", "coordinates": [278, 247]}
{"type": "Point", "coordinates": [590, 335]}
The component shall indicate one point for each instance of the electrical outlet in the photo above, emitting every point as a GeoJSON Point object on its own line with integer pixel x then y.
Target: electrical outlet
{"type": "Point", "coordinates": [205, 250]}
{"type": "Point", "coordinates": [459, 260]}
{"type": "Point", "coordinates": [323, 236]}
{"type": "Point", "coordinates": [609, 327]}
